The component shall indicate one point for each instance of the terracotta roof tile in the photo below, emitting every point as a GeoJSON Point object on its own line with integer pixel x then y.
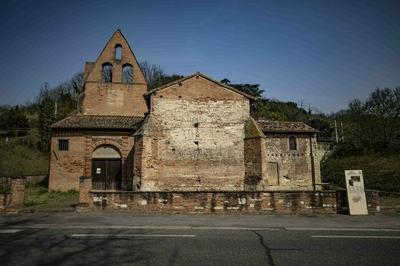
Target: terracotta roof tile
{"type": "Point", "coordinates": [98, 122]}
{"type": "Point", "coordinates": [285, 126]}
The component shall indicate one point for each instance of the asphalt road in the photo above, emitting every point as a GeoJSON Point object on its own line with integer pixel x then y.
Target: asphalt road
{"type": "Point", "coordinates": [275, 246]}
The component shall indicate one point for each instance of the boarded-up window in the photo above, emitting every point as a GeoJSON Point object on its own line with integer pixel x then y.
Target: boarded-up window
{"type": "Point", "coordinates": [292, 143]}
{"type": "Point", "coordinates": [63, 144]}
{"type": "Point", "coordinates": [272, 174]}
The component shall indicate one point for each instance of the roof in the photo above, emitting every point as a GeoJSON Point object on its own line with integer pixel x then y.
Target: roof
{"type": "Point", "coordinates": [285, 126]}
{"type": "Point", "coordinates": [98, 122]}
{"type": "Point", "coordinates": [203, 76]}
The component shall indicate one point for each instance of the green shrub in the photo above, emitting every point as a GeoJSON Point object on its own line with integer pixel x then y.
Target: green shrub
{"type": "Point", "coordinates": [22, 160]}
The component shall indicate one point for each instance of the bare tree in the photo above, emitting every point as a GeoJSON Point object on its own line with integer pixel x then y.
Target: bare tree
{"type": "Point", "coordinates": [153, 74]}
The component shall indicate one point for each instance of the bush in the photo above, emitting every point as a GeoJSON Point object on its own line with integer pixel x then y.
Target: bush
{"type": "Point", "coordinates": [22, 160]}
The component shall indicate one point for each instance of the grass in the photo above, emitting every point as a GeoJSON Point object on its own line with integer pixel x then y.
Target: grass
{"type": "Point", "coordinates": [17, 159]}
{"type": "Point", "coordinates": [5, 190]}
{"type": "Point", "coordinates": [389, 201]}
{"type": "Point", "coordinates": [381, 171]}
{"type": "Point", "coordinates": [39, 195]}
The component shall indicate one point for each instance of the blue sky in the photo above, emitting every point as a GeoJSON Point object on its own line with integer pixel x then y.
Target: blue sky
{"type": "Point", "coordinates": [318, 53]}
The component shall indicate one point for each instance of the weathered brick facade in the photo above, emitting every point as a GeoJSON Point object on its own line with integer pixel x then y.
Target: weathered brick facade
{"type": "Point", "coordinates": [66, 167]}
{"type": "Point", "coordinates": [115, 97]}
{"type": "Point", "coordinates": [194, 138]}
{"type": "Point", "coordinates": [299, 168]}
{"type": "Point", "coordinates": [198, 135]}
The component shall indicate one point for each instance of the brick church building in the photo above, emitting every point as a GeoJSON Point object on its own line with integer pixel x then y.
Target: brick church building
{"type": "Point", "coordinates": [194, 134]}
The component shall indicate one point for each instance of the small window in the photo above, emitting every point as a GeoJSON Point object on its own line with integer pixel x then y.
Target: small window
{"type": "Point", "coordinates": [127, 74]}
{"type": "Point", "coordinates": [63, 144]}
{"type": "Point", "coordinates": [292, 143]}
{"type": "Point", "coordinates": [118, 52]}
{"type": "Point", "coordinates": [107, 72]}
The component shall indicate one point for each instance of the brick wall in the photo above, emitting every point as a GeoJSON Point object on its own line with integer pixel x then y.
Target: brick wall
{"type": "Point", "coordinates": [114, 98]}
{"type": "Point", "coordinates": [66, 167]}
{"type": "Point", "coordinates": [216, 202]}
{"type": "Point", "coordinates": [12, 202]}
{"type": "Point", "coordinates": [255, 164]}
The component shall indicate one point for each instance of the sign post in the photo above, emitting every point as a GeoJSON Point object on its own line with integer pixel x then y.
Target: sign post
{"type": "Point", "coordinates": [355, 192]}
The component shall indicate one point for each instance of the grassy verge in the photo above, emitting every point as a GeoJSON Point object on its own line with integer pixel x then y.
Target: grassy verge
{"type": "Point", "coordinates": [39, 195]}
{"type": "Point", "coordinates": [390, 201]}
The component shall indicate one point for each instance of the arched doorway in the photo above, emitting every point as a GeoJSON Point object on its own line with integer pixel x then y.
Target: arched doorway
{"type": "Point", "coordinates": [106, 168]}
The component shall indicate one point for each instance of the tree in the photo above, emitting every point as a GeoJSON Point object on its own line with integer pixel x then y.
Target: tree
{"type": "Point", "coordinates": [46, 116]}
{"type": "Point", "coordinates": [374, 124]}
{"type": "Point", "coordinates": [14, 121]}
{"type": "Point", "coordinates": [155, 76]}
{"type": "Point", "coordinates": [76, 84]}
{"type": "Point", "coordinates": [251, 89]}
{"type": "Point", "coordinates": [152, 74]}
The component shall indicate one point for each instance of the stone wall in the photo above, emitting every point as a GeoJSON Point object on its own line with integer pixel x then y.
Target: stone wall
{"type": "Point", "coordinates": [296, 169]}
{"type": "Point", "coordinates": [194, 138]}
{"type": "Point", "coordinates": [66, 167]}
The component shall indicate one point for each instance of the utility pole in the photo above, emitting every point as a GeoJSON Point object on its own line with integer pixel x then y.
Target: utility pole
{"type": "Point", "coordinates": [336, 133]}
{"type": "Point", "coordinates": [55, 109]}
{"type": "Point", "coordinates": [341, 125]}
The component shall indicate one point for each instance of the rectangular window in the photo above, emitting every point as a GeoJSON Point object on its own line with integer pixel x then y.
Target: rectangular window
{"type": "Point", "coordinates": [63, 144]}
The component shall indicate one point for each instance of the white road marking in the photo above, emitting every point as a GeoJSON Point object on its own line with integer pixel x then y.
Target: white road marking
{"type": "Point", "coordinates": [129, 235]}
{"type": "Point", "coordinates": [342, 229]}
{"type": "Point", "coordinates": [9, 231]}
{"type": "Point", "coordinates": [374, 237]}
{"type": "Point", "coordinates": [150, 227]}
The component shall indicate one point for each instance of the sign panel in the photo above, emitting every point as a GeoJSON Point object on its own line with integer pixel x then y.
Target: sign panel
{"type": "Point", "coordinates": [98, 170]}
{"type": "Point", "coordinates": [355, 192]}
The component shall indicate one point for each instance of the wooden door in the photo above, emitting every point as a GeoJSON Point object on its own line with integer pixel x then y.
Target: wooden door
{"type": "Point", "coordinates": [106, 174]}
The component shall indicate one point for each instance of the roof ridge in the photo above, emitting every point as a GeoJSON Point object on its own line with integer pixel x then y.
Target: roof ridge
{"type": "Point", "coordinates": [204, 76]}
